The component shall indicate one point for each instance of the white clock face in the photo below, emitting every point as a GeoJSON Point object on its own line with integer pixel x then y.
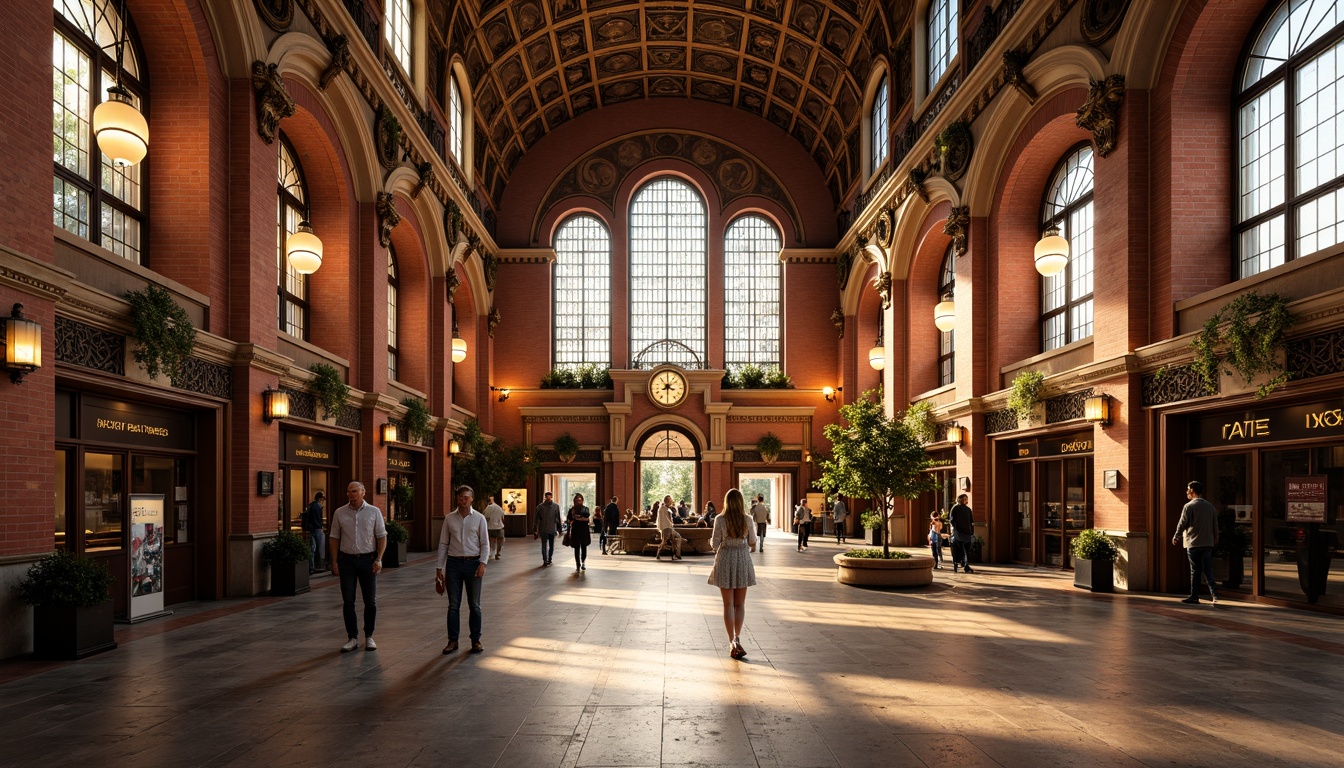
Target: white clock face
{"type": "Point", "coordinates": [667, 388]}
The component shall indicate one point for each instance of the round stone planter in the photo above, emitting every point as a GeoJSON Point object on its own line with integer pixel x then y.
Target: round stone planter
{"type": "Point", "coordinates": [915, 571]}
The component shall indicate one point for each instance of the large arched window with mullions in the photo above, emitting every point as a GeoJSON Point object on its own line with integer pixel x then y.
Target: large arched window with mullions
{"type": "Point", "coordinates": [947, 283]}
{"type": "Point", "coordinates": [1066, 298]}
{"type": "Point", "coordinates": [1291, 193]}
{"type": "Point", "coordinates": [397, 31]}
{"type": "Point", "coordinates": [582, 303]}
{"type": "Point", "coordinates": [291, 210]}
{"type": "Point", "coordinates": [393, 316]}
{"type": "Point", "coordinates": [669, 280]}
{"type": "Point", "coordinates": [457, 121]}
{"type": "Point", "coordinates": [878, 128]}
{"type": "Point", "coordinates": [92, 198]}
{"type": "Point", "coordinates": [752, 283]}
{"type": "Point", "coordinates": [941, 35]}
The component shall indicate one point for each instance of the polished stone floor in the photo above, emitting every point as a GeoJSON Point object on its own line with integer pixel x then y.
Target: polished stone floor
{"type": "Point", "coordinates": [626, 665]}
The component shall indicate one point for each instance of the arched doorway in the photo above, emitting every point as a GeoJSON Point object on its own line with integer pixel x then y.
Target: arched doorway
{"type": "Point", "coordinates": [667, 466]}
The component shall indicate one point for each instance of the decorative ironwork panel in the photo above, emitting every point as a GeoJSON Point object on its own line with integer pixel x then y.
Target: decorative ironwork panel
{"type": "Point", "coordinates": [667, 351]}
{"type": "Point", "coordinates": [1066, 407]}
{"type": "Point", "coordinates": [1172, 385]}
{"type": "Point", "coordinates": [754, 456]}
{"type": "Point", "coordinates": [205, 378]}
{"type": "Point", "coordinates": [940, 432]}
{"type": "Point", "coordinates": [982, 38]}
{"type": "Point", "coordinates": [84, 345]}
{"type": "Point", "coordinates": [944, 96]}
{"type": "Point", "coordinates": [549, 456]}
{"type": "Point", "coordinates": [350, 418]}
{"type": "Point", "coordinates": [1000, 421]}
{"type": "Point", "coordinates": [302, 405]}
{"type": "Point", "coordinates": [365, 20]}
{"type": "Point", "coordinates": [1319, 355]}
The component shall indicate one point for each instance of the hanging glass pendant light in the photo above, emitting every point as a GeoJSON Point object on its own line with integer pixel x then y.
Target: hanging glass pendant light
{"type": "Point", "coordinates": [945, 314]}
{"type": "Point", "coordinates": [121, 131]}
{"type": "Point", "coordinates": [1052, 253]}
{"type": "Point", "coordinates": [304, 249]}
{"type": "Point", "coordinates": [459, 346]}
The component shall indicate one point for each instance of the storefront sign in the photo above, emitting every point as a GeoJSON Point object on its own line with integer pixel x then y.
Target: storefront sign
{"type": "Point", "coordinates": [400, 461]}
{"type": "Point", "coordinates": [109, 421]}
{"type": "Point", "coordinates": [1052, 446]}
{"type": "Point", "coordinates": [146, 555]}
{"type": "Point", "coordinates": [1306, 499]}
{"type": "Point", "coordinates": [1299, 422]}
{"type": "Point", "coordinates": [309, 449]}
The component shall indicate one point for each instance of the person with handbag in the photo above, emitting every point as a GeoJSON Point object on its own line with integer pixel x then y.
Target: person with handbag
{"type": "Point", "coordinates": [936, 538]}
{"type": "Point", "coordinates": [579, 534]}
{"type": "Point", "coordinates": [547, 526]}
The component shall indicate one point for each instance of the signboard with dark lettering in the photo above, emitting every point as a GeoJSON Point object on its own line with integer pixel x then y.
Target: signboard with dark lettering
{"type": "Point", "coordinates": [400, 461]}
{"type": "Point", "coordinates": [110, 421]}
{"type": "Point", "coordinates": [1067, 445]}
{"type": "Point", "coordinates": [1298, 422]}
{"type": "Point", "coordinates": [309, 449]}
{"type": "Point", "coordinates": [1306, 499]}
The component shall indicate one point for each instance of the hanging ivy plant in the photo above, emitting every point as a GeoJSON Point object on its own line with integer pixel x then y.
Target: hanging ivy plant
{"type": "Point", "coordinates": [327, 386]}
{"type": "Point", "coordinates": [419, 421]}
{"type": "Point", "coordinates": [919, 418]}
{"type": "Point", "coordinates": [1253, 331]}
{"type": "Point", "coordinates": [162, 330]}
{"type": "Point", "coordinates": [769, 445]}
{"type": "Point", "coordinates": [1025, 393]}
{"type": "Point", "coordinates": [567, 446]}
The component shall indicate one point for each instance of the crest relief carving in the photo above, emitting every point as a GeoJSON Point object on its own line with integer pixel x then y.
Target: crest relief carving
{"type": "Point", "coordinates": [387, 137]}
{"type": "Point", "coordinates": [1100, 114]}
{"type": "Point", "coordinates": [278, 14]}
{"type": "Point", "coordinates": [388, 218]}
{"type": "Point", "coordinates": [958, 222]}
{"type": "Point", "coordinates": [273, 101]}
{"type": "Point", "coordinates": [1101, 19]}
{"type": "Point", "coordinates": [883, 230]}
{"type": "Point", "coordinates": [954, 149]}
{"type": "Point", "coordinates": [340, 60]}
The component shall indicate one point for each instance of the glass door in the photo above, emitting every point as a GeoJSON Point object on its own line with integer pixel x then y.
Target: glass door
{"type": "Point", "coordinates": [1226, 481]}
{"type": "Point", "coordinates": [1050, 503]}
{"type": "Point", "coordinates": [1023, 552]}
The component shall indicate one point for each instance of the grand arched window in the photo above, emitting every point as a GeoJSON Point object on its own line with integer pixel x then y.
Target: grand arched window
{"type": "Point", "coordinates": [947, 283]}
{"type": "Point", "coordinates": [878, 128]}
{"type": "Point", "coordinates": [669, 281]}
{"type": "Point", "coordinates": [1066, 298]}
{"type": "Point", "coordinates": [291, 209]}
{"type": "Point", "coordinates": [457, 123]}
{"type": "Point", "coordinates": [1290, 201]}
{"type": "Point", "coordinates": [93, 198]}
{"type": "Point", "coordinates": [397, 31]}
{"type": "Point", "coordinates": [582, 293]}
{"type": "Point", "coordinates": [751, 294]}
{"type": "Point", "coordinates": [393, 287]}
{"type": "Point", "coordinates": [941, 26]}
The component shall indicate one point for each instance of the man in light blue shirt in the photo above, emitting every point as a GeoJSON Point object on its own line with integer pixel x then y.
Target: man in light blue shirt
{"type": "Point", "coordinates": [464, 550]}
{"type": "Point", "coordinates": [358, 537]}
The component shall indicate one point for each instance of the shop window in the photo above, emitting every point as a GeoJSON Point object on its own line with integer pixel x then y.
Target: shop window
{"type": "Point", "coordinates": [1289, 200]}
{"type": "Point", "coordinates": [393, 319]}
{"type": "Point", "coordinates": [1066, 298]}
{"type": "Point", "coordinates": [582, 306]}
{"type": "Point", "coordinates": [92, 198]}
{"type": "Point", "coordinates": [669, 281]}
{"type": "Point", "coordinates": [941, 25]}
{"type": "Point", "coordinates": [947, 282]}
{"type": "Point", "coordinates": [62, 496]}
{"type": "Point", "coordinates": [879, 129]}
{"type": "Point", "coordinates": [291, 209]}
{"type": "Point", "coordinates": [397, 31]}
{"type": "Point", "coordinates": [752, 303]}
{"type": "Point", "coordinates": [104, 501]}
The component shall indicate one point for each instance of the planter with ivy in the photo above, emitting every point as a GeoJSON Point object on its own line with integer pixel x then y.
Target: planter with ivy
{"type": "Point", "coordinates": [1247, 336]}
{"type": "Point", "coordinates": [752, 376]}
{"type": "Point", "coordinates": [586, 376]}
{"type": "Point", "coordinates": [868, 567]}
{"type": "Point", "coordinates": [397, 536]}
{"type": "Point", "coordinates": [419, 422]}
{"type": "Point", "coordinates": [72, 606]}
{"type": "Point", "coordinates": [1094, 557]}
{"type": "Point", "coordinates": [1025, 398]}
{"type": "Point", "coordinates": [769, 445]}
{"type": "Point", "coordinates": [567, 446]}
{"type": "Point", "coordinates": [287, 554]}
{"type": "Point", "coordinates": [329, 389]}
{"type": "Point", "coordinates": [162, 330]}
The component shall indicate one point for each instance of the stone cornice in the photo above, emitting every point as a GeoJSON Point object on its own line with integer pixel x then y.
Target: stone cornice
{"type": "Point", "coordinates": [262, 359]}
{"type": "Point", "coordinates": [808, 256]}
{"type": "Point", "coordinates": [526, 255]}
{"type": "Point", "coordinates": [37, 278]}
{"type": "Point", "coordinates": [534, 413]}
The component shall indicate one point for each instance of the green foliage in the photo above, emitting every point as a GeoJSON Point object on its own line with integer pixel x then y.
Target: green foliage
{"type": "Point", "coordinates": [871, 519]}
{"type": "Point", "coordinates": [919, 418]}
{"type": "Point", "coordinates": [419, 422]}
{"type": "Point", "coordinates": [329, 389]}
{"type": "Point", "coordinates": [769, 445]}
{"type": "Point", "coordinates": [752, 376]}
{"type": "Point", "coordinates": [1025, 393]}
{"type": "Point", "coordinates": [286, 548]}
{"type": "Point", "coordinates": [667, 478]}
{"type": "Point", "coordinates": [777, 379]}
{"type": "Point", "coordinates": [62, 580]}
{"type": "Point", "coordinates": [586, 376]}
{"type": "Point", "coordinates": [1254, 337]}
{"type": "Point", "coordinates": [878, 554]}
{"type": "Point", "coordinates": [1091, 544]}
{"type": "Point", "coordinates": [396, 532]}
{"type": "Point", "coordinates": [162, 330]}
{"type": "Point", "coordinates": [566, 445]}
{"type": "Point", "coordinates": [875, 457]}
{"type": "Point", "coordinates": [488, 465]}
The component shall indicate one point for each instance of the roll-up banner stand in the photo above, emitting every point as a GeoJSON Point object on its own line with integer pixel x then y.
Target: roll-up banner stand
{"type": "Point", "coordinates": [147, 537]}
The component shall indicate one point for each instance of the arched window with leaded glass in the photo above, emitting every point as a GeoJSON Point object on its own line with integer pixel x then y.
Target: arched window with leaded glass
{"type": "Point", "coordinates": [291, 210]}
{"type": "Point", "coordinates": [93, 198]}
{"type": "Point", "coordinates": [582, 302]}
{"type": "Point", "coordinates": [941, 30]}
{"type": "Point", "coordinates": [947, 283]}
{"type": "Point", "coordinates": [457, 122]}
{"type": "Point", "coordinates": [1066, 298]}
{"type": "Point", "coordinates": [878, 128]}
{"type": "Point", "coordinates": [752, 294]}
{"type": "Point", "coordinates": [669, 280]}
{"type": "Point", "coordinates": [393, 316]}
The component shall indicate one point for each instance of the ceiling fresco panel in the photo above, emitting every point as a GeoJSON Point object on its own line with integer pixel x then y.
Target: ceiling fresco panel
{"type": "Point", "coordinates": [549, 90]}
{"type": "Point", "coordinates": [564, 9]}
{"type": "Point", "coordinates": [578, 74]}
{"type": "Point", "coordinates": [768, 9]}
{"type": "Point", "coordinates": [806, 18]}
{"type": "Point", "coordinates": [795, 56]}
{"type": "Point", "coordinates": [666, 57]}
{"type": "Point", "coordinates": [622, 90]}
{"type": "Point", "coordinates": [711, 90]}
{"type": "Point", "coordinates": [528, 16]}
{"type": "Point", "coordinates": [665, 24]}
{"type": "Point", "coordinates": [762, 41]}
{"type": "Point", "coordinates": [499, 36]}
{"type": "Point", "coordinates": [666, 85]}
{"type": "Point", "coordinates": [618, 64]}
{"type": "Point", "coordinates": [540, 57]}
{"type": "Point", "coordinates": [751, 101]}
{"type": "Point", "coordinates": [572, 41]}
{"type": "Point", "coordinates": [615, 29]}
{"type": "Point", "coordinates": [713, 63]}
{"type": "Point", "coordinates": [717, 29]}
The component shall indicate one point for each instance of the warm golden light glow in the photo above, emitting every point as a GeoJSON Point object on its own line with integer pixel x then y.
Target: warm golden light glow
{"type": "Point", "coordinates": [1098, 409]}
{"type": "Point", "coordinates": [459, 349]}
{"type": "Point", "coordinates": [955, 434]}
{"type": "Point", "coordinates": [1052, 253]}
{"type": "Point", "coordinates": [304, 250]}
{"type": "Point", "coordinates": [877, 357]}
{"type": "Point", "coordinates": [945, 314]}
{"type": "Point", "coordinates": [23, 344]}
{"type": "Point", "coordinates": [274, 405]}
{"type": "Point", "coordinates": [121, 131]}
{"type": "Point", "coordinates": [389, 433]}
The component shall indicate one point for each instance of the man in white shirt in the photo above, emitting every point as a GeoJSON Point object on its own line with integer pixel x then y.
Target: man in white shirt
{"type": "Point", "coordinates": [761, 514]}
{"type": "Point", "coordinates": [358, 537]}
{"type": "Point", "coordinates": [494, 525]}
{"type": "Point", "coordinates": [666, 527]}
{"type": "Point", "coordinates": [464, 549]}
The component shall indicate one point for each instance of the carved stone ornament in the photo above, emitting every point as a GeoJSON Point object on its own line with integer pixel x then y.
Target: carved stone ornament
{"type": "Point", "coordinates": [492, 320]}
{"type": "Point", "coordinates": [1102, 18]}
{"type": "Point", "coordinates": [843, 263]}
{"type": "Point", "coordinates": [914, 182]}
{"type": "Point", "coordinates": [452, 222]}
{"type": "Point", "coordinates": [958, 222]}
{"type": "Point", "coordinates": [388, 218]}
{"type": "Point", "coordinates": [426, 172]}
{"type": "Point", "coordinates": [278, 14]}
{"type": "Point", "coordinates": [954, 149]}
{"type": "Point", "coordinates": [838, 319]}
{"type": "Point", "coordinates": [340, 60]}
{"type": "Point", "coordinates": [273, 101]}
{"type": "Point", "coordinates": [1100, 114]}
{"type": "Point", "coordinates": [883, 231]}
{"type": "Point", "coordinates": [489, 265]}
{"type": "Point", "coordinates": [883, 285]}
{"type": "Point", "coordinates": [452, 282]}
{"type": "Point", "coordinates": [1013, 64]}
{"type": "Point", "coordinates": [387, 137]}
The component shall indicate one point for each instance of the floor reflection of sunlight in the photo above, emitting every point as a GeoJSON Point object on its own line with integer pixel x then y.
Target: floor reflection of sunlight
{"type": "Point", "coordinates": [542, 659]}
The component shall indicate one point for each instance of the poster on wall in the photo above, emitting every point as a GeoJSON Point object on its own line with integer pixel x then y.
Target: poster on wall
{"type": "Point", "coordinates": [1306, 499]}
{"type": "Point", "coordinates": [146, 555]}
{"type": "Point", "coordinates": [514, 500]}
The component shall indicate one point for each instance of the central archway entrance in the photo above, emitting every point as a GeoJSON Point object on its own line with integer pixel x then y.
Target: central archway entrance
{"type": "Point", "coordinates": [667, 466]}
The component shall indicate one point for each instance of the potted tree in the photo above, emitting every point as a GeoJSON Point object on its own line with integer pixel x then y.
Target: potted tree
{"type": "Point", "coordinates": [1093, 555]}
{"type": "Point", "coordinates": [567, 446]}
{"type": "Point", "coordinates": [769, 445]}
{"type": "Point", "coordinates": [287, 555]}
{"type": "Point", "coordinates": [395, 553]}
{"type": "Point", "coordinates": [72, 606]}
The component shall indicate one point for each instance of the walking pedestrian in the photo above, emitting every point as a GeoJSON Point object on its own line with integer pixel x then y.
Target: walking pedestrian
{"type": "Point", "coordinates": [936, 538]}
{"type": "Point", "coordinates": [580, 534]}
{"type": "Point", "coordinates": [547, 524]}
{"type": "Point", "coordinates": [963, 534]}
{"type": "Point", "coordinates": [358, 538]}
{"type": "Point", "coordinates": [733, 541]}
{"type": "Point", "coordinates": [1199, 527]}
{"type": "Point", "coordinates": [761, 514]}
{"type": "Point", "coordinates": [802, 522]}
{"type": "Point", "coordinates": [464, 550]}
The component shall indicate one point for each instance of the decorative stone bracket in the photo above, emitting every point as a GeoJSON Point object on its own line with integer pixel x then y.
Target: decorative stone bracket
{"type": "Point", "coordinates": [492, 320]}
{"type": "Point", "coordinates": [273, 101]}
{"type": "Point", "coordinates": [388, 218]}
{"type": "Point", "coordinates": [958, 222]}
{"type": "Point", "coordinates": [340, 60]}
{"type": "Point", "coordinates": [1100, 114]}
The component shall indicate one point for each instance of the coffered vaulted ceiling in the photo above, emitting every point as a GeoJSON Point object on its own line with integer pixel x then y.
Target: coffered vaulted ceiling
{"type": "Point", "coordinates": [800, 64]}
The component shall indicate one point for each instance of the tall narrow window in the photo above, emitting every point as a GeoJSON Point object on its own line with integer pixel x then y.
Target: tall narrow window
{"type": "Point", "coordinates": [456, 119]}
{"type": "Point", "coordinates": [582, 303]}
{"type": "Point", "coordinates": [669, 281]}
{"type": "Point", "coordinates": [878, 124]}
{"type": "Point", "coordinates": [397, 31]}
{"type": "Point", "coordinates": [291, 209]}
{"type": "Point", "coordinates": [393, 324]}
{"type": "Point", "coordinates": [1290, 199]}
{"type": "Point", "coordinates": [751, 293]}
{"type": "Point", "coordinates": [91, 197]}
{"type": "Point", "coordinates": [1066, 298]}
{"type": "Point", "coordinates": [942, 37]}
{"type": "Point", "coordinates": [947, 283]}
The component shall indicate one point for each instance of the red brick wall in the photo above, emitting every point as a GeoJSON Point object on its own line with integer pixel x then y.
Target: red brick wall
{"type": "Point", "coordinates": [920, 297]}
{"type": "Point", "coordinates": [415, 332]}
